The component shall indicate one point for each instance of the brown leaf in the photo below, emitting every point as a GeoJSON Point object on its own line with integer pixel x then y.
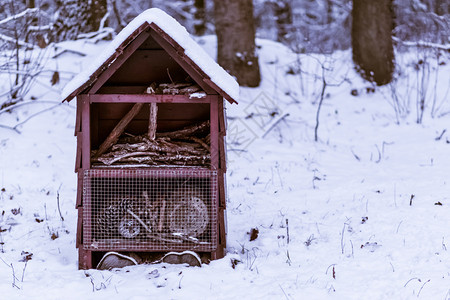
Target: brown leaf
{"type": "Point", "coordinates": [55, 78]}
{"type": "Point", "coordinates": [41, 41]}
{"type": "Point", "coordinates": [254, 234]}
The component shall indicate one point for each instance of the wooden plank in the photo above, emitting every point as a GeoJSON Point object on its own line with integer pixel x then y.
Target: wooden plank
{"type": "Point", "coordinates": [222, 187]}
{"type": "Point", "coordinates": [78, 117]}
{"type": "Point", "coordinates": [94, 124]}
{"type": "Point", "coordinates": [79, 240]}
{"type": "Point", "coordinates": [145, 98]}
{"type": "Point", "coordinates": [222, 118]}
{"type": "Point", "coordinates": [222, 228]}
{"type": "Point", "coordinates": [118, 62]}
{"type": "Point", "coordinates": [78, 154]}
{"type": "Point", "coordinates": [222, 153]}
{"type": "Point", "coordinates": [84, 259]}
{"type": "Point", "coordinates": [214, 132]}
{"type": "Point", "coordinates": [79, 201]}
{"type": "Point", "coordinates": [85, 132]}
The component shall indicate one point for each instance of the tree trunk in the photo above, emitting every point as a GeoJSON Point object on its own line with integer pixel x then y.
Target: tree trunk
{"type": "Point", "coordinates": [199, 17]}
{"type": "Point", "coordinates": [442, 7]}
{"type": "Point", "coordinates": [373, 52]}
{"type": "Point", "coordinates": [283, 16]}
{"type": "Point", "coordinates": [30, 3]}
{"type": "Point", "coordinates": [77, 16]}
{"type": "Point", "coordinates": [236, 40]}
{"type": "Point", "coordinates": [96, 10]}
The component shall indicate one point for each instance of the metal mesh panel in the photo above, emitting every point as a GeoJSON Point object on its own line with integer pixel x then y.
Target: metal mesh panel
{"type": "Point", "coordinates": [150, 210]}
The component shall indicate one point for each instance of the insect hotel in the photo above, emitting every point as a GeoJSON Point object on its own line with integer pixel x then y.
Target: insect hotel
{"type": "Point", "coordinates": [150, 128]}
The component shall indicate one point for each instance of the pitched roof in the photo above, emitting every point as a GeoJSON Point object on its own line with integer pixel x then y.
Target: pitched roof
{"type": "Point", "coordinates": [157, 19]}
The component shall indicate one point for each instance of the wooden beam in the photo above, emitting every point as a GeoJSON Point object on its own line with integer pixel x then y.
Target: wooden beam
{"type": "Point", "coordinates": [85, 132]}
{"type": "Point", "coordinates": [146, 98]}
{"type": "Point", "coordinates": [214, 132]}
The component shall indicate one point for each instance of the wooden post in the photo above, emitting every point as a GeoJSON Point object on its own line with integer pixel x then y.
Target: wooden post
{"type": "Point", "coordinates": [152, 121]}
{"type": "Point", "coordinates": [118, 130]}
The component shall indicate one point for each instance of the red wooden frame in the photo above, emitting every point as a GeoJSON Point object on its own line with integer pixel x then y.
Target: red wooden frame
{"type": "Point", "coordinates": [95, 91]}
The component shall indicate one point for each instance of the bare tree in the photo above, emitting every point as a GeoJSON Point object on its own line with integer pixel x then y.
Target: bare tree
{"type": "Point", "coordinates": [373, 52]}
{"type": "Point", "coordinates": [199, 17]}
{"type": "Point", "coordinates": [78, 16]}
{"type": "Point", "coordinates": [235, 31]}
{"type": "Point", "coordinates": [283, 16]}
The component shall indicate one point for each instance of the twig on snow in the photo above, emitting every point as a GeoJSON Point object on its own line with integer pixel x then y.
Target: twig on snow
{"type": "Point", "coordinates": [57, 202]}
{"type": "Point", "coordinates": [275, 124]}
{"type": "Point", "coordinates": [14, 278]}
{"type": "Point", "coordinates": [418, 294]}
{"type": "Point", "coordinates": [10, 128]}
{"type": "Point", "coordinates": [418, 279]}
{"type": "Point", "coordinates": [35, 114]}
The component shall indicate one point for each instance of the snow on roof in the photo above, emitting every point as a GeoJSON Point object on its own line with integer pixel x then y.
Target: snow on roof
{"type": "Point", "coordinates": [179, 34]}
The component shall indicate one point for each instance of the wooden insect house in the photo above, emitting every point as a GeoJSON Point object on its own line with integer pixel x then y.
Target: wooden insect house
{"type": "Point", "coordinates": [150, 130]}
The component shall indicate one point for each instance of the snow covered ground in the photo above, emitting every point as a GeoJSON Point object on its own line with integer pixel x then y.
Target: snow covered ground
{"type": "Point", "coordinates": [361, 213]}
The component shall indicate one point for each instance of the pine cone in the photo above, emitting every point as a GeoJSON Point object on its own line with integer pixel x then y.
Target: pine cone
{"type": "Point", "coordinates": [108, 220]}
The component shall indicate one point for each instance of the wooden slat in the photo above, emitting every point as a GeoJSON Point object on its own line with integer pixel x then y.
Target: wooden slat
{"type": "Point", "coordinates": [79, 201]}
{"type": "Point", "coordinates": [85, 131]}
{"type": "Point", "coordinates": [84, 259]}
{"type": "Point", "coordinates": [94, 125]}
{"type": "Point", "coordinates": [79, 240]}
{"type": "Point", "coordinates": [78, 155]}
{"type": "Point", "coordinates": [222, 153]}
{"type": "Point", "coordinates": [222, 188]}
{"type": "Point", "coordinates": [78, 117]}
{"type": "Point", "coordinates": [222, 228]}
{"type": "Point", "coordinates": [214, 132]}
{"type": "Point", "coordinates": [145, 98]}
{"type": "Point", "coordinates": [222, 118]}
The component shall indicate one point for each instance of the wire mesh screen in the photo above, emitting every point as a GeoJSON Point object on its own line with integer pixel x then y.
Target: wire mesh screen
{"type": "Point", "coordinates": [154, 210]}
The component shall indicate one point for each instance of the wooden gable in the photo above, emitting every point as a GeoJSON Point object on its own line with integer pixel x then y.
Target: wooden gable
{"type": "Point", "coordinates": [148, 55]}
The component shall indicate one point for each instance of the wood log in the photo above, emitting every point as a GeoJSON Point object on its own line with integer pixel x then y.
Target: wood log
{"type": "Point", "coordinates": [152, 121]}
{"type": "Point", "coordinates": [113, 137]}
{"type": "Point", "coordinates": [159, 146]}
{"type": "Point", "coordinates": [111, 160]}
{"type": "Point", "coordinates": [200, 141]}
{"type": "Point", "coordinates": [186, 132]}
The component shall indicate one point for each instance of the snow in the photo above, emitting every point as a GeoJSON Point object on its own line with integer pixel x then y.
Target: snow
{"type": "Point", "coordinates": [355, 215]}
{"type": "Point", "coordinates": [177, 32]}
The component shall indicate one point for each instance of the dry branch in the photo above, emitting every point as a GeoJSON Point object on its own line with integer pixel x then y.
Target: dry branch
{"type": "Point", "coordinates": [152, 121]}
{"type": "Point", "coordinates": [113, 137]}
{"type": "Point", "coordinates": [186, 132]}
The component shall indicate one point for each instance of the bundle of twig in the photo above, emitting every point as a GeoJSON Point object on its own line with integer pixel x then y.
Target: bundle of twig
{"type": "Point", "coordinates": [188, 146]}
